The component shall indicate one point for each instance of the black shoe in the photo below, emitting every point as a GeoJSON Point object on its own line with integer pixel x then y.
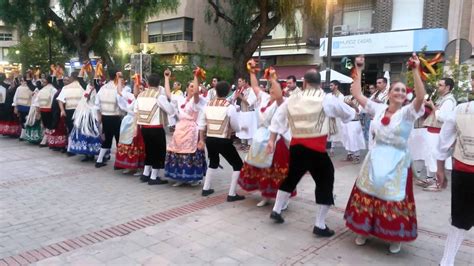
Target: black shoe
{"type": "Point", "coordinates": [117, 168]}
{"type": "Point", "coordinates": [20, 139]}
{"type": "Point", "coordinates": [234, 198]}
{"type": "Point", "coordinates": [323, 232]}
{"type": "Point", "coordinates": [99, 165]}
{"type": "Point", "coordinates": [43, 145]}
{"type": "Point", "coordinates": [277, 217]}
{"type": "Point", "coordinates": [63, 150]}
{"type": "Point", "coordinates": [144, 178]}
{"type": "Point", "coordinates": [70, 154]}
{"type": "Point", "coordinates": [157, 181]}
{"type": "Point", "coordinates": [107, 157]}
{"type": "Point", "coordinates": [207, 192]}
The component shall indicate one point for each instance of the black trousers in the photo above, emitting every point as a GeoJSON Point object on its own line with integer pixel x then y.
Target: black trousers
{"type": "Point", "coordinates": [320, 167]}
{"type": "Point", "coordinates": [22, 115]}
{"type": "Point", "coordinates": [462, 199]}
{"type": "Point", "coordinates": [155, 147]}
{"type": "Point", "coordinates": [69, 120]}
{"type": "Point", "coordinates": [217, 146]}
{"type": "Point", "coordinates": [47, 119]}
{"type": "Point", "coordinates": [111, 129]}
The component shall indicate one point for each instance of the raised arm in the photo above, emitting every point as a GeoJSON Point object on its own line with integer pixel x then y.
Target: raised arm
{"type": "Point", "coordinates": [253, 70]}
{"type": "Point", "coordinates": [419, 87]}
{"type": "Point", "coordinates": [277, 93]}
{"type": "Point", "coordinates": [356, 88]}
{"type": "Point", "coordinates": [167, 74]}
{"type": "Point", "coordinates": [196, 88]}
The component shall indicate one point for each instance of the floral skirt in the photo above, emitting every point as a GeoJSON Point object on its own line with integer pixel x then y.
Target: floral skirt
{"type": "Point", "coordinates": [185, 167]}
{"type": "Point", "coordinates": [10, 128]}
{"type": "Point", "coordinates": [82, 144]}
{"type": "Point", "coordinates": [34, 133]}
{"type": "Point", "coordinates": [57, 138]}
{"type": "Point", "coordinates": [387, 220]}
{"type": "Point", "coordinates": [131, 156]}
{"type": "Point", "coordinates": [267, 180]}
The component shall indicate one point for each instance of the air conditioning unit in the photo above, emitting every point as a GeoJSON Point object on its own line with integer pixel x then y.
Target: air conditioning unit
{"type": "Point", "coordinates": [340, 30]}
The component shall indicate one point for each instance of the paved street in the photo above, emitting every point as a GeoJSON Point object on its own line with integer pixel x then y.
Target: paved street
{"type": "Point", "coordinates": [57, 210]}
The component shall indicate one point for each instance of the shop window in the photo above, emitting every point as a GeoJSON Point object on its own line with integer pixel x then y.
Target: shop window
{"type": "Point", "coordinates": [170, 30]}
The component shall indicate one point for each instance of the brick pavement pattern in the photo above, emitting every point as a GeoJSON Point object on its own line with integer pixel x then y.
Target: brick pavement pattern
{"type": "Point", "coordinates": [57, 210]}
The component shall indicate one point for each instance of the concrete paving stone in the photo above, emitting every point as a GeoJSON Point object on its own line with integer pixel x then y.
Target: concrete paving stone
{"type": "Point", "coordinates": [141, 256]}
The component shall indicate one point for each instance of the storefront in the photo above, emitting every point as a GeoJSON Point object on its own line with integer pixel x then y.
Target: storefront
{"type": "Point", "coordinates": [386, 51]}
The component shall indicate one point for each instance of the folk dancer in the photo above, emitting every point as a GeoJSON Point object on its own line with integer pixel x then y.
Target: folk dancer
{"type": "Point", "coordinates": [152, 108]}
{"type": "Point", "coordinates": [45, 102]}
{"type": "Point", "coordinates": [185, 160]}
{"type": "Point", "coordinates": [457, 131]}
{"type": "Point", "coordinates": [22, 104]}
{"type": "Point", "coordinates": [309, 115]}
{"type": "Point", "coordinates": [262, 171]}
{"type": "Point", "coordinates": [444, 105]}
{"type": "Point", "coordinates": [9, 123]}
{"type": "Point", "coordinates": [85, 137]}
{"type": "Point", "coordinates": [353, 136]}
{"type": "Point", "coordinates": [216, 124]}
{"type": "Point", "coordinates": [381, 203]}
{"type": "Point", "coordinates": [130, 154]}
{"type": "Point", "coordinates": [109, 113]}
{"type": "Point", "coordinates": [334, 86]}
{"type": "Point", "coordinates": [246, 99]}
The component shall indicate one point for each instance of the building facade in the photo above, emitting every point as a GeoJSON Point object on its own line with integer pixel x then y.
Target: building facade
{"type": "Point", "coordinates": [177, 36]}
{"type": "Point", "coordinates": [387, 32]}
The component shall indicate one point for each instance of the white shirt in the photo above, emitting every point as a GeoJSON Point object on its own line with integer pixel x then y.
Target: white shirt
{"type": "Point", "coordinates": [101, 91]}
{"type": "Point", "coordinates": [332, 106]}
{"type": "Point", "coordinates": [447, 136]}
{"type": "Point", "coordinates": [446, 108]}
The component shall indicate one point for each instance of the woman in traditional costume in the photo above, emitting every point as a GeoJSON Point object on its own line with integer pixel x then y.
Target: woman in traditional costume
{"type": "Point", "coordinates": [130, 153]}
{"type": "Point", "coordinates": [185, 159]}
{"type": "Point", "coordinates": [85, 137]}
{"type": "Point", "coordinates": [382, 203]}
{"type": "Point", "coordinates": [9, 122]}
{"type": "Point", "coordinates": [263, 171]}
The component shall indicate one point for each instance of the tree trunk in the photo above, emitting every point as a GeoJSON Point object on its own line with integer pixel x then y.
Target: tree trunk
{"type": "Point", "coordinates": [240, 65]}
{"type": "Point", "coordinates": [83, 53]}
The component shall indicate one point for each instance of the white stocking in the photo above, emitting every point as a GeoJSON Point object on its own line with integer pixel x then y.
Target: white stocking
{"type": "Point", "coordinates": [321, 214]}
{"type": "Point", "coordinates": [233, 183]}
{"type": "Point", "coordinates": [453, 242]}
{"type": "Point", "coordinates": [281, 198]}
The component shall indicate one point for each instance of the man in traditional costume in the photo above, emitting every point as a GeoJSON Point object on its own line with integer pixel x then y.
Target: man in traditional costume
{"type": "Point", "coordinates": [309, 114]}
{"type": "Point", "coordinates": [457, 130]}
{"type": "Point", "coordinates": [353, 135]}
{"type": "Point", "coordinates": [110, 114]}
{"type": "Point", "coordinates": [444, 105]}
{"type": "Point", "coordinates": [152, 108]}
{"type": "Point", "coordinates": [216, 123]}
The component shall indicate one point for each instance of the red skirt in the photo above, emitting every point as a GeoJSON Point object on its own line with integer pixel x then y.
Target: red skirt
{"type": "Point", "coordinates": [57, 138]}
{"type": "Point", "coordinates": [267, 180]}
{"type": "Point", "coordinates": [131, 156]}
{"type": "Point", "coordinates": [10, 128]}
{"type": "Point", "coordinates": [387, 220]}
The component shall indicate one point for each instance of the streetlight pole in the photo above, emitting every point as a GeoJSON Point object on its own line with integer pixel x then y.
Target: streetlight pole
{"type": "Point", "coordinates": [331, 4]}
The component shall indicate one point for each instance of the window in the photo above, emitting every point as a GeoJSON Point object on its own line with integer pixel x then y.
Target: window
{"type": "Point", "coordinates": [171, 30]}
{"type": "Point", "coordinates": [6, 36]}
{"type": "Point", "coordinates": [407, 14]}
{"type": "Point", "coordinates": [359, 21]}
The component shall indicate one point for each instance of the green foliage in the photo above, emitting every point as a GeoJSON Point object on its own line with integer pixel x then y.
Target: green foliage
{"type": "Point", "coordinates": [80, 25]}
{"type": "Point", "coordinates": [34, 51]}
{"type": "Point", "coordinates": [184, 73]}
{"type": "Point", "coordinates": [460, 74]}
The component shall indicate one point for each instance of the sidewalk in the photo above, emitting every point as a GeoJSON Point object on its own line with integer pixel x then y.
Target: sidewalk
{"type": "Point", "coordinates": [57, 210]}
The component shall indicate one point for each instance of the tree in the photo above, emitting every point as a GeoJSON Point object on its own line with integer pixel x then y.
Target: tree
{"type": "Point", "coordinates": [248, 22]}
{"type": "Point", "coordinates": [34, 51]}
{"type": "Point", "coordinates": [82, 26]}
